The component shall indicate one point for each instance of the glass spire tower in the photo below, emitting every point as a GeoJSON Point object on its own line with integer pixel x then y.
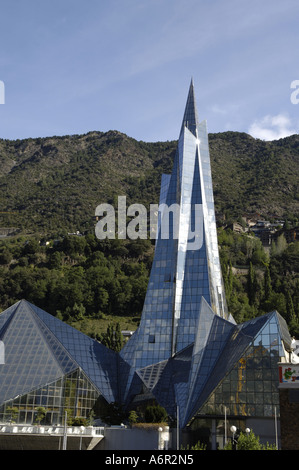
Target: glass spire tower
{"type": "Point", "coordinates": [188, 354]}
{"type": "Point", "coordinates": [186, 274]}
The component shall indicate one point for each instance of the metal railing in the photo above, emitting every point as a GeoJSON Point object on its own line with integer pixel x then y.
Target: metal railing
{"type": "Point", "coordinates": [76, 431]}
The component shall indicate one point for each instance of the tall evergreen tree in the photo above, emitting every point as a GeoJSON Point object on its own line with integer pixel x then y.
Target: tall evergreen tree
{"type": "Point", "coordinates": [267, 284]}
{"type": "Point", "coordinates": [113, 338]}
{"type": "Point", "coordinates": [290, 307]}
{"type": "Point", "coordinates": [251, 284]}
{"type": "Point", "coordinates": [228, 280]}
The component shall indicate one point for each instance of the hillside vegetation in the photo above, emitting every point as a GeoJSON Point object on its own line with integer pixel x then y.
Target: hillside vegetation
{"type": "Point", "coordinates": [55, 183]}
{"type": "Point", "coordinates": [51, 186]}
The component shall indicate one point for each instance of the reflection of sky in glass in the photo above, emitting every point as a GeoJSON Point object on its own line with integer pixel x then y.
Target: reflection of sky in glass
{"type": "Point", "coordinates": [180, 276]}
{"type": "Point", "coordinates": [40, 348]}
{"type": "Point", "coordinates": [73, 392]}
{"type": "Point", "coordinates": [250, 387]}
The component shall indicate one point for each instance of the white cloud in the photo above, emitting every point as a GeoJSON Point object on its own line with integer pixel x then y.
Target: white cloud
{"type": "Point", "coordinates": [272, 127]}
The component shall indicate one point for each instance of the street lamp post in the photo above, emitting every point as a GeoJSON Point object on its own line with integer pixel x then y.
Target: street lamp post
{"type": "Point", "coordinates": [233, 430]}
{"type": "Point", "coordinates": [82, 429]}
{"type": "Point", "coordinates": [64, 443]}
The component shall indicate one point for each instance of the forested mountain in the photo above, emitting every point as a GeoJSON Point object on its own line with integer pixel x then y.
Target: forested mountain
{"type": "Point", "coordinates": [51, 186]}
{"type": "Point", "coordinates": [55, 183]}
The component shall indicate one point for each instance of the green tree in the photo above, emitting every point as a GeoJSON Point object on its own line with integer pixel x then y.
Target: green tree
{"type": "Point", "coordinates": [113, 338]}
{"type": "Point", "coordinates": [289, 307]}
{"type": "Point", "coordinates": [133, 417]}
{"type": "Point", "coordinates": [5, 256]}
{"type": "Point", "coordinates": [267, 284]}
{"type": "Point", "coordinates": [249, 441]}
{"type": "Point", "coordinates": [41, 413]}
{"type": "Point", "coordinates": [277, 302]}
{"type": "Point", "coordinates": [279, 246]}
{"type": "Point", "coordinates": [55, 260]}
{"type": "Point", "coordinates": [11, 414]}
{"type": "Point", "coordinates": [155, 414]}
{"type": "Point", "coordinates": [78, 311]}
{"type": "Point", "coordinates": [294, 326]}
{"type": "Point", "coordinates": [251, 284]}
{"type": "Point", "coordinates": [228, 279]}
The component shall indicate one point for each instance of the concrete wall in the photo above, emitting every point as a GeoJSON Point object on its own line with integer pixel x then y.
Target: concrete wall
{"type": "Point", "coordinates": [135, 439]}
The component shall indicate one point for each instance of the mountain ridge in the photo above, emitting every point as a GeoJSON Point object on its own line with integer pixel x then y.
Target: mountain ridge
{"type": "Point", "coordinates": [57, 182]}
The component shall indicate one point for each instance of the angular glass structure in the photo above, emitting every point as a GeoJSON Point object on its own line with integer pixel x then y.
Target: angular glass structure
{"type": "Point", "coordinates": [186, 266]}
{"type": "Point", "coordinates": [50, 364]}
{"type": "Point", "coordinates": [188, 354]}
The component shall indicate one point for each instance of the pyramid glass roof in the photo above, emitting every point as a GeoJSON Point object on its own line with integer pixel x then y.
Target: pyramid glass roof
{"type": "Point", "coordinates": [39, 348]}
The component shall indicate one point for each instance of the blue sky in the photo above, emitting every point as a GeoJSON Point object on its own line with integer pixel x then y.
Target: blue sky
{"type": "Point", "coordinates": [74, 66]}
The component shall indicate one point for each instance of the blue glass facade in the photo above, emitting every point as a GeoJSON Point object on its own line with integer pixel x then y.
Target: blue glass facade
{"type": "Point", "coordinates": [187, 354]}
{"type": "Point", "coordinates": [187, 348]}
{"type": "Point", "coordinates": [234, 366]}
{"type": "Point", "coordinates": [43, 356]}
{"type": "Point", "coordinates": [186, 266]}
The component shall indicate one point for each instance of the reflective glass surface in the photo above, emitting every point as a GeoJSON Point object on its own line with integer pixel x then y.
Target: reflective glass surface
{"type": "Point", "coordinates": [187, 353]}
{"type": "Point", "coordinates": [250, 386]}
{"type": "Point", "coordinates": [72, 393]}
{"type": "Point", "coordinates": [40, 350]}
{"type": "Point", "coordinates": [183, 272]}
{"type": "Point", "coordinates": [29, 360]}
{"type": "Point", "coordinates": [232, 366]}
{"type": "Point", "coordinates": [97, 361]}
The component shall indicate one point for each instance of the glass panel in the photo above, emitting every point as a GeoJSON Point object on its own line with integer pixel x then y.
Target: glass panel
{"type": "Point", "coordinates": [251, 381]}
{"type": "Point", "coordinates": [68, 394]}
